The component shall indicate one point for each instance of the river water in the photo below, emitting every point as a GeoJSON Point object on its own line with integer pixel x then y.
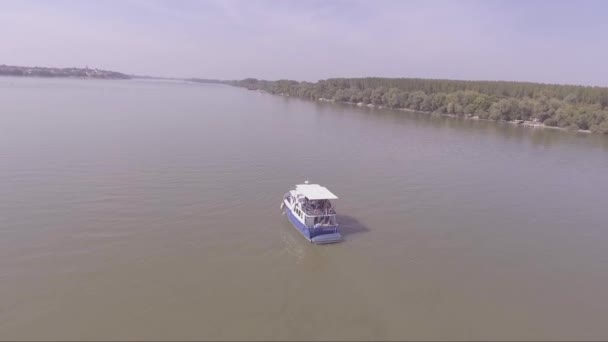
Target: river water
{"type": "Point", "coordinates": [150, 210]}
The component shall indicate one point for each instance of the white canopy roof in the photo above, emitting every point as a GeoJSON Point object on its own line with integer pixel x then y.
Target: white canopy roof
{"type": "Point", "coordinates": [315, 192]}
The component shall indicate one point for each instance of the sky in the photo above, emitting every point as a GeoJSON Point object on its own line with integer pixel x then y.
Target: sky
{"type": "Point", "coordinates": [537, 41]}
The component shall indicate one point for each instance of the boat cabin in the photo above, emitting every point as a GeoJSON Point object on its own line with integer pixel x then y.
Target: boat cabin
{"type": "Point", "coordinates": [311, 203]}
{"type": "Point", "coordinates": [310, 210]}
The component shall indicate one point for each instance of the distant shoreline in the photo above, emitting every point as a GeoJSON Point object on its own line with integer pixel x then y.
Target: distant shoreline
{"type": "Point", "coordinates": [44, 72]}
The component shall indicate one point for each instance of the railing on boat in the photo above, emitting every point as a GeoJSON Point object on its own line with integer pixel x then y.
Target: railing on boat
{"type": "Point", "coordinates": [318, 212]}
{"type": "Point", "coordinates": [325, 218]}
{"type": "Point", "coordinates": [320, 220]}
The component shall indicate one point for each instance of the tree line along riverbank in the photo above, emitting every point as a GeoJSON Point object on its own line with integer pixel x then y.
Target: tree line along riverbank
{"type": "Point", "coordinates": [560, 106]}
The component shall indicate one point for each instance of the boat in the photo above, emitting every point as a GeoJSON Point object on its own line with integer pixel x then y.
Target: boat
{"type": "Point", "coordinates": [309, 208]}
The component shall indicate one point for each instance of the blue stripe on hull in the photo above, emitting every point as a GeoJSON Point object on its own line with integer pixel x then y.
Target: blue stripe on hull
{"type": "Point", "coordinates": [321, 237]}
{"type": "Point", "coordinates": [297, 224]}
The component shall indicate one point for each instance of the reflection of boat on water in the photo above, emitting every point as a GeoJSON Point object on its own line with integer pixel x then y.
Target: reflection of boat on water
{"type": "Point", "coordinates": [309, 209]}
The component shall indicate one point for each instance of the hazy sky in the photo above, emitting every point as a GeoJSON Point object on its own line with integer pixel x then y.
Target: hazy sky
{"type": "Point", "coordinates": [546, 41]}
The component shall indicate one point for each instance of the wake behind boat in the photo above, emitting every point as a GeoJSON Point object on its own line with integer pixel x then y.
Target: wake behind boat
{"type": "Point", "coordinates": [309, 209]}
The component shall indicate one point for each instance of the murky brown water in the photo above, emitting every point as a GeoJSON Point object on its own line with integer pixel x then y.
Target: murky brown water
{"type": "Point", "coordinates": [150, 210]}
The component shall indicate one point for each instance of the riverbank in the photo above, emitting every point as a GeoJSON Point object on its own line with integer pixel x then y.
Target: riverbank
{"type": "Point", "coordinates": [554, 106]}
{"type": "Point", "coordinates": [522, 123]}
